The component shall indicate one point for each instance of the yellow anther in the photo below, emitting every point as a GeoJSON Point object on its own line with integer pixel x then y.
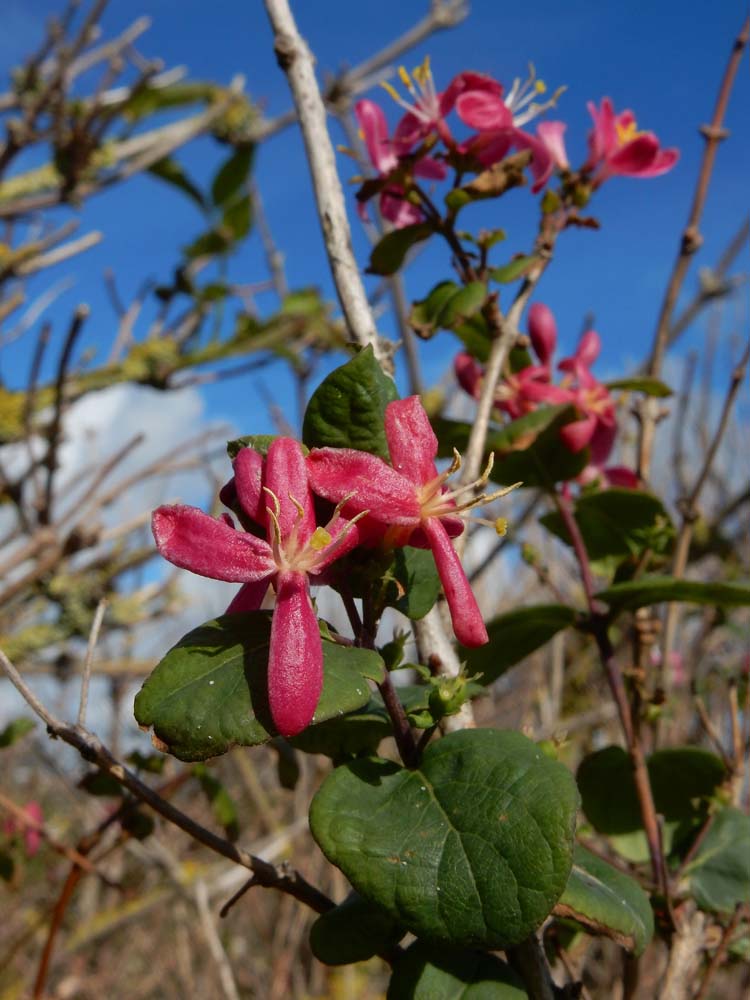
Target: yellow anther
{"type": "Point", "coordinates": [404, 77]}
{"type": "Point", "coordinates": [540, 87]}
{"type": "Point", "coordinates": [319, 539]}
{"type": "Point", "coordinates": [626, 133]}
{"type": "Point", "coordinates": [391, 90]}
{"type": "Point", "coordinates": [501, 526]}
{"type": "Point", "coordinates": [422, 72]}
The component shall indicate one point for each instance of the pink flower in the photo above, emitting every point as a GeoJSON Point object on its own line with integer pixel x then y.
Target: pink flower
{"type": "Point", "coordinates": [30, 832]}
{"type": "Point", "coordinates": [409, 501]}
{"type": "Point", "coordinates": [597, 426]}
{"type": "Point", "coordinates": [616, 147]}
{"type": "Point", "coordinates": [276, 495]}
{"type": "Point", "coordinates": [385, 154]}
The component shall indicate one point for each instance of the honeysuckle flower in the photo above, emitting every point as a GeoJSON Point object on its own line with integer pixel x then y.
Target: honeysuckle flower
{"type": "Point", "coordinates": [410, 500]}
{"type": "Point", "coordinates": [597, 426]}
{"type": "Point", "coordinates": [616, 147]}
{"type": "Point", "coordinates": [385, 154]}
{"type": "Point", "coordinates": [275, 495]}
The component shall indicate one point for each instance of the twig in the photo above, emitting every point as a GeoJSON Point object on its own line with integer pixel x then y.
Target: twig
{"type": "Point", "coordinates": [690, 242]}
{"type": "Point", "coordinates": [89, 659]}
{"type": "Point", "coordinates": [295, 59]}
{"type": "Point", "coordinates": [216, 948]}
{"type": "Point", "coordinates": [286, 880]}
{"type": "Point", "coordinates": [720, 953]}
{"type": "Point", "coordinates": [79, 318]}
{"type": "Point", "coordinates": [689, 507]}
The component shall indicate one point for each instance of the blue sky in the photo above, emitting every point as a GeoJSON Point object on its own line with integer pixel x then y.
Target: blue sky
{"type": "Point", "coordinates": [663, 60]}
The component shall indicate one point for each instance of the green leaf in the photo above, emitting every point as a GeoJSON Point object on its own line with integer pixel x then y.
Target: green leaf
{"type": "Point", "coordinates": [642, 383]}
{"type": "Point", "coordinates": [516, 269]}
{"type": "Point", "coordinates": [238, 217]}
{"type": "Point", "coordinates": [210, 691]}
{"type": "Point", "coordinates": [258, 442]}
{"type": "Point", "coordinates": [353, 931]}
{"type": "Point", "coordinates": [388, 254]}
{"type": "Point", "coordinates": [463, 305]}
{"type": "Point", "coordinates": [475, 337]}
{"type": "Point", "coordinates": [454, 864]}
{"type": "Point", "coordinates": [447, 306]}
{"type": "Point", "coordinates": [169, 170]}
{"type": "Point", "coordinates": [418, 582]}
{"type": "Point", "coordinates": [719, 874]}
{"type": "Point", "coordinates": [515, 635]}
{"type": "Point", "coordinates": [682, 779]}
{"type": "Point", "coordinates": [209, 244]}
{"type": "Point", "coordinates": [424, 973]}
{"type": "Point", "coordinates": [423, 317]}
{"type": "Point", "coordinates": [231, 175]}
{"type": "Point", "coordinates": [222, 804]}
{"type": "Point", "coordinates": [15, 730]}
{"type": "Point", "coordinates": [616, 522]}
{"type": "Point", "coordinates": [606, 901]}
{"type": "Point", "coordinates": [347, 410]}
{"type": "Point", "coordinates": [649, 590]}
{"type": "Point", "coordinates": [101, 785]}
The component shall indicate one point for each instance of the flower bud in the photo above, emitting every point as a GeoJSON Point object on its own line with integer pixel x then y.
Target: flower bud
{"type": "Point", "coordinates": [543, 331]}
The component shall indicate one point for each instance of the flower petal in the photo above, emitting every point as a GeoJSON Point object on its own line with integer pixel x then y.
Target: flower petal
{"type": "Point", "coordinates": [484, 111]}
{"type": "Point", "coordinates": [577, 434]}
{"type": "Point", "coordinates": [295, 658]}
{"type": "Point", "coordinates": [285, 475]}
{"type": "Point", "coordinates": [543, 331]}
{"type": "Point", "coordinates": [375, 130]}
{"type": "Point", "coordinates": [411, 440]}
{"type": "Point", "coordinates": [385, 493]}
{"type": "Point", "coordinates": [552, 135]}
{"type": "Point", "coordinates": [249, 597]}
{"type": "Point", "coordinates": [466, 617]}
{"type": "Point", "coordinates": [248, 476]}
{"type": "Point", "coordinates": [192, 540]}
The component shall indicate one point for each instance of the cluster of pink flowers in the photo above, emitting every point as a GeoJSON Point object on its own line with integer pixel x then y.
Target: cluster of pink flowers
{"type": "Point", "coordinates": [405, 503]}
{"type": "Point", "coordinates": [523, 391]}
{"type": "Point", "coordinates": [615, 146]}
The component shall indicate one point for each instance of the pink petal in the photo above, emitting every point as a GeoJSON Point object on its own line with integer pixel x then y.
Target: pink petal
{"type": "Point", "coordinates": [603, 440]}
{"type": "Point", "coordinates": [285, 475]}
{"type": "Point", "coordinates": [466, 617]}
{"type": "Point", "coordinates": [543, 331]}
{"type": "Point", "coordinates": [192, 540]}
{"type": "Point", "coordinates": [634, 158]}
{"type": "Point", "coordinates": [552, 135]}
{"type": "Point", "coordinates": [249, 597]}
{"type": "Point", "coordinates": [295, 658]}
{"type": "Point", "coordinates": [397, 210]}
{"type": "Point", "coordinates": [489, 147]}
{"type": "Point", "coordinates": [409, 131]}
{"type": "Point", "coordinates": [484, 111]}
{"type": "Point", "coordinates": [603, 137]}
{"type": "Point", "coordinates": [32, 837]}
{"type": "Point", "coordinates": [620, 475]}
{"type": "Point", "coordinates": [411, 440]}
{"type": "Point", "coordinates": [577, 434]}
{"type": "Point", "coordinates": [542, 164]}
{"type": "Point", "coordinates": [430, 168]}
{"type": "Point", "coordinates": [387, 495]}
{"type": "Point", "coordinates": [248, 472]}
{"type": "Point", "coordinates": [467, 81]}
{"type": "Point", "coordinates": [454, 526]}
{"type": "Point", "coordinates": [375, 129]}
{"type": "Point", "coordinates": [468, 373]}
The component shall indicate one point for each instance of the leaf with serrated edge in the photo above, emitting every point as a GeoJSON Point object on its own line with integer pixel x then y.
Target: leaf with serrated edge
{"type": "Point", "coordinates": [454, 865]}
{"type": "Point", "coordinates": [210, 692]}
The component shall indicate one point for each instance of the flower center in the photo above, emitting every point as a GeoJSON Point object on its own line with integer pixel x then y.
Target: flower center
{"type": "Point", "coordinates": [434, 502]}
{"type": "Point", "coordinates": [626, 133]}
{"type": "Point", "coordinates": [425, 104]}
{"type": "Point", "coordinates": [520, 99]}
{"type": "Point", "coordinates": [291, 553]}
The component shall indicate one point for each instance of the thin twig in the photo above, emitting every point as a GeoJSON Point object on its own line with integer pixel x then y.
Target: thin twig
{"type": "Point", "coordinates": [690, 242]}
{"type": "Point", "coordinates": [89, 659]}
{"type": "Point", "coordinates": [720, 953]}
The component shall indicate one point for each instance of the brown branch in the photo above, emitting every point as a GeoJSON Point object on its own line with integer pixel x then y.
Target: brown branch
{"type": "Point", "coordinates": [690, 242]}
{"type": "Point", "coordinates": [279, 877]}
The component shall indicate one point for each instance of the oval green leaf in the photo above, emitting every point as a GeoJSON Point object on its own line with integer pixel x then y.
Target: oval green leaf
{"type": "Point", "coordinates": [424, 973]}
{"type": "Point", "coordinates": [388, 255]}
{"type": "Point", "coordinates": [210, 692]}
{"type": "Point", "coordinates": [606, 901]}
{"type": "Point", "coordinates": [646, 384]}
{"type": "Point", "coordinates": [347, 409]}
{"type": "Point", "coordinates": [719, 875]}
{"type": "Point", "coordinates": [472, 849]}
{"type": "Point", "coordinates": [353, 931]}
{"type": "Point", "coordinates": [656, 589]}
{"type": "Point", "coordinates": [515, 635]}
